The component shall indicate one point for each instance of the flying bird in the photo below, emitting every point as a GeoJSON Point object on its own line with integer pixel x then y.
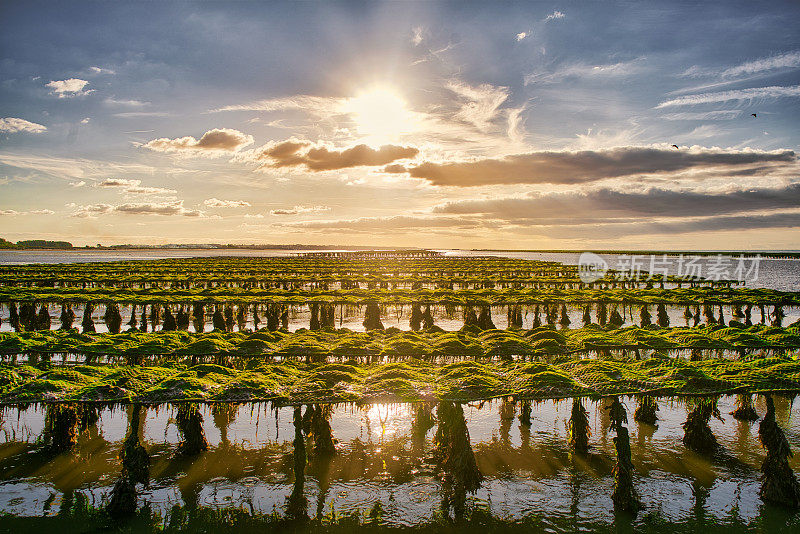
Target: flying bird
{"type": "Point", "coordinates": [753, 114]}
{"type": "Point", "coordinates": [675, 146]}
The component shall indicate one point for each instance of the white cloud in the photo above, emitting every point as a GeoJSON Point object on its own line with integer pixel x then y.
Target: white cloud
{"type": "Point", "coordinates": [217, 203]}
{"type": "Point", "coordinates": [416, 36]}
{"type": "Point", "coordinates": [134, 187]}
{"type": "Point", "coordinates": [15, 125]}
{"type": "Point", "coordinates": [86, 120]}
{"type": "Point", "coordinates": [9, 213]}
{"type": "Point", "coordinates": [555, 15]}
{"type": "Point", "coordinates": [78, 184]}
{"type": "Point", "coordinates": [480, 104]}
{"type": "Point", "coordinates": [316, 105]}
{"type": "Point", "coordinates": [719, 115]}
{"type": "Point", "coordinates": [521, 35]}
{"type": "Point", "coordinates": [168, 208]}
{"type": "Point", "coordinates": [787, 60]}
{"type": "Point", "coordinates": [68, 88]}
{"type": "Point", "coordinates": [111, 101]}
{"type": "Point", "coordinates": [297, 210]}
{"type": "Point", "coordinates": [755, 93]}
{"type": "Point", "coordinates": [100, 70]}
{"type": "Point", "coordinates": [41, 212]}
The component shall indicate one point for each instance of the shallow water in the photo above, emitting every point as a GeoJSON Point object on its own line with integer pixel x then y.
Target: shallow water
{"type": "Point", "coordinates": [531, 481]}
{"type": "Point", "coordinates": [528, 471]}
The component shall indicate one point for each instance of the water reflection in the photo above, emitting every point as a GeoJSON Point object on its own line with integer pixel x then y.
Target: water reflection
{"type": "Point", "coordinates": [386, 466]}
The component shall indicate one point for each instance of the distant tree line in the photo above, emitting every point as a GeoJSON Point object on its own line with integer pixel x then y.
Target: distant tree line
{"type": "Point", "coordinates": [34, 244]}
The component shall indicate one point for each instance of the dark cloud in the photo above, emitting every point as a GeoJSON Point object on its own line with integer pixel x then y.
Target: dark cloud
{"type": "Point", "coordinates": [295, 153]}
{"type": "Point", "coordinates": [591, 165]}
{"type": "Point", "coordinates": [607, 203]}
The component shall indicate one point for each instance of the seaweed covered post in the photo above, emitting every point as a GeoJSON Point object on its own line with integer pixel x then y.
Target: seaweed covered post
{"type": "Point", "coordinates": [778, 482]}
{"type": "Point", "coordinates": [587, 315]}
{"type": "Point", "coordinates": [485, 319]}
{"type": "Point", "coordinates": [427, 318]}
{"type": "Point", "coordinates": [645, 319]}
{"type": "Point", "coordinates": [181, 320]}
{"type": "Point", "coordinates": [170, 324]}
{"type": "Point", "coordinates": [67, 316]}
{"type": "Point", "coordinates": [470, 317]}
{"type": "Point", "coordinates": [87, 323]}
{"type": "Point", "coordinates": [744, 411]}
{"type": "Point", "coordinates": [456, 459]}
{"type": "Point", "coordinates": [697, 434]}
{"type": "Point", "coordinates": [564, 320]}
{"type": "Point", "coordinates": [190, 425]}
{"type": "Point", "coordinates": [624, 494]}
{"type": "Point", "coordinates": [135, 470]}
{"type": "Point", "coordinates": [317, 424]}
{"type": "Point", "coordinates": [578, 430]}
{"type": "Point", "coordinates": [525, 413]}
{"type": "Point", "coordinates": [615, 319]}
{"type": "Point", "coordinates": [132, 322]}
{"type": "Point", "coordinates": [60, 427]}
{"type": "Point", "coordinates": [112, 318]}
{"type": "Point", "coordinates": [514, 317]}
{"type": "Point", "coordinates": [661, 316]}
{"type": "Point", "coordinates": [422, 418]}
{"type": "Point", "coordinates": [218, 320]}
{"type": "Point", "coordinates": [372, 317]}
{"type": "Point", "coordinates": [646, 411]}
{"type": "Point", "coordinates": [13, 316]}
{"type": "Point", "coordinates": [198, 317]}
{"type": "Point", "coordinates": [415, 322]}
{"type": "Point", "coordinates": [313, 307]}
{"type": "Point", "coordinates": [43, 318]}
{"type": "Point", "coordinates": [297, 503]}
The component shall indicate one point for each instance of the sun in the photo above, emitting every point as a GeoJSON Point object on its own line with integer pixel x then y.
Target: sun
{"type": "Point", "coordinates": [380, 115]}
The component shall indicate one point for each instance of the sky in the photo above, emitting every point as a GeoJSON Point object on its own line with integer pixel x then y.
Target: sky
{"type": "Point", "coordinates": [532, 125]}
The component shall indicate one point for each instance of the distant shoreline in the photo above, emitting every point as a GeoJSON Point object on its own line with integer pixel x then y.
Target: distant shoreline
{"type": "Point", "coordinates": [784, 254]}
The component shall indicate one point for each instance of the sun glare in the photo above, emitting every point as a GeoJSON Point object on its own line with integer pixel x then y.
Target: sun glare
{"type": "Point", "coordinates": [380, 115]}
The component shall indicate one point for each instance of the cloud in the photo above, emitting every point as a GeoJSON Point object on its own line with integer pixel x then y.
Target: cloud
{"type": "Point", "coordinates": [719, 115]}
{"type": "Point", "coordinates": [755, 93]}
{"type": "Point", "coordinates": [296, 153]}
{"type": "Point", "coordinates": [555, 15]}
{"type": "Point", "coordinates": [389, 224]}
{"type": "Point", "coordinates": [574, 167]}
{"type": "Point", "coordinates": [69, 88]}
{"type": "Point", "coordinates": [217, 203]}
{"type": "Point", "coordinates": [85, 120]}
{"type": "Point", "coordinates": [169, 208]}
{"type": "Point", "coordinates": [134, 187]}
{"type": "Point", "coordinates": [521, 36]}
{"type": "Point", "coordinates": [297, 210]}
{"type": "Point", "coordinates": [416, 35]}
{"type": "Point", "coordinates": [584, 70]}
{"type": "Point", "coordinates": [213, 142]}
{"type": "Point", "coordinates": [319, 105]}
{"type": "Point", "coordinates": [9, 213]}
{"type": "Point", "coordinates": [578, 207]}
{"type": "Point", "coordinates": [100, 70]}
{"type": "Point", "coordinates": [41, 212]}
{"type": "Point", "coordinates": [80, 183]}
{"type": "Point", "coordinates": [480, 105]}
{"type": "Point", "coordinates": [787, 60]}
{"type": "Point", "coordinates": [91, 211]}
{"type": "Point", "coordinates": [15, 125]}
{"type": "Point", "coordinates": [111, 101]}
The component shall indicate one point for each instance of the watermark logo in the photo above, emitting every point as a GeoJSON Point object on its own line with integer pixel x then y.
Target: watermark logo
{"type": "Point", "coordinates": [591, 267]}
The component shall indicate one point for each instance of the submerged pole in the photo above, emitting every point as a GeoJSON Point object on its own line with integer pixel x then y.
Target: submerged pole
{"type": "Point", "coordinates": [457, 460]}
{"type": "Point", "coordinates": [578, 431]}
{"type": "Point", "coordinates": [297, 503]}
{"type": "Point", "coordinates": [778, 482]}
